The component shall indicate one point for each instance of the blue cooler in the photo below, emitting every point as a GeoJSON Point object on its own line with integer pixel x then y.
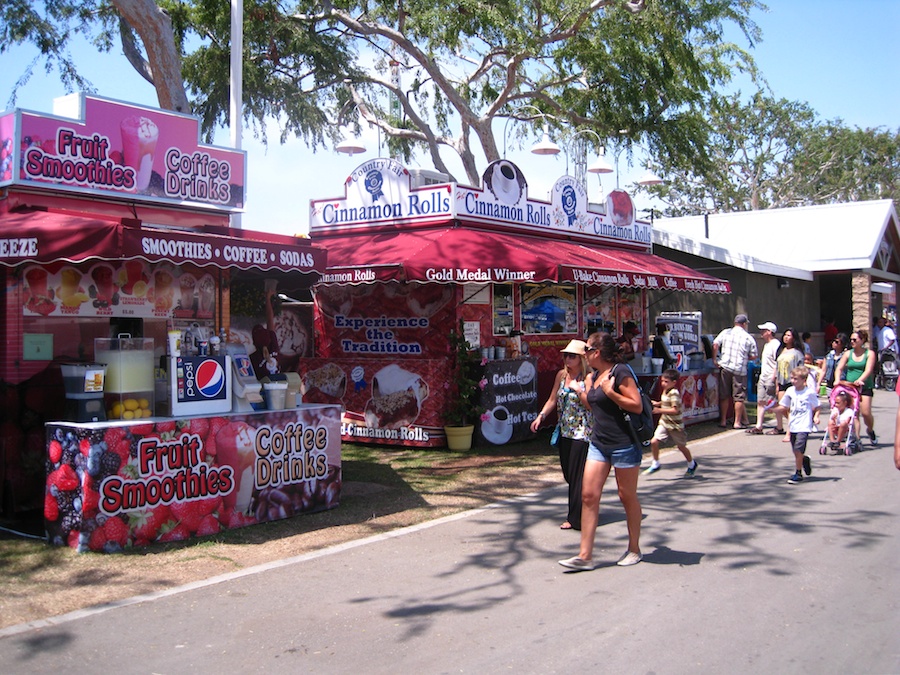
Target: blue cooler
{"type": "Point", "coordinates": [752, 380]}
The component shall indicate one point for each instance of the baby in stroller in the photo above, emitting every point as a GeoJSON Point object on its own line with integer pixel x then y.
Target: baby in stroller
{"type": "Point", "coordinates": [887, 369]}
{"type": "Point", "coordinates": [842, 422]}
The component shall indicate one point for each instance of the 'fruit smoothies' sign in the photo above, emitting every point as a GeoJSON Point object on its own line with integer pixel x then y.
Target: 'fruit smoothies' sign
{"type": "Point", "coordinates": [101, 146]}
{"type": "Point", "coordinates": [111, 487]}
{"type": "Point", "coordinates": [379, 192]}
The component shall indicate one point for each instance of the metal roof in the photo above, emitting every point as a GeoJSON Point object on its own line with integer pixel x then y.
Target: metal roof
{"type": "Point", "coordinates": [791, 242]}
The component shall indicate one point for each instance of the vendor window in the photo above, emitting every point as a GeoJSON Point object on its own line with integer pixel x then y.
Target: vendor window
{"type": "Point", "coordinates": [502, 309]}
{"type": "Point", "coordinates": [600, 309]}
{"type": "Point", "coordinates": [549, 308]}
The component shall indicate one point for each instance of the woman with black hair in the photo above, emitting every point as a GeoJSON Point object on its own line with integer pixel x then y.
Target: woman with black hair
{"type": "Point", "coordinates": [610, 391]}
{"type": "Point", "coordinates": [790, 356]}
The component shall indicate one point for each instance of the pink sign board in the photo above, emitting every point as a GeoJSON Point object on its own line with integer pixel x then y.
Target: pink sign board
{"type": "Point", "coordinates": [114, 486]}
{"type": "Point", "coordinates": [100, 146]}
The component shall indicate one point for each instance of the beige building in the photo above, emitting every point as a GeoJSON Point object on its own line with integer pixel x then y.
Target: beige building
{"type": "Point", "coordinates": [796, 266]}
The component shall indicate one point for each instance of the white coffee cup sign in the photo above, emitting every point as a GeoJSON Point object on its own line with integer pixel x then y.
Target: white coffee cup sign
{"type": "Point", "coordinates": [499, 419]}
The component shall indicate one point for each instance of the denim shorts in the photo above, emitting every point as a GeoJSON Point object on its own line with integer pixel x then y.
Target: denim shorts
{"type": "Point", "coordinates": [628, 457]}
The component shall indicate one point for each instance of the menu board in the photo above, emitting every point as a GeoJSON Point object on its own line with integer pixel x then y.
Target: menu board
{"type": "Point", "coordinates": [510, 399]}
{"type": "Point", "coordinates": [119, 288]}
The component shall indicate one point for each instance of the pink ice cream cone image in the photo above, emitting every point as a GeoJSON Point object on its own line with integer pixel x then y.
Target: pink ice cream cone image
{"type": "Point", "coordinates": [139, 137]}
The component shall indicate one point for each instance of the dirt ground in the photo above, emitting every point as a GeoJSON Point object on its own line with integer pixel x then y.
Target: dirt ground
{"type": "Point", "coordinates": [382, 491]}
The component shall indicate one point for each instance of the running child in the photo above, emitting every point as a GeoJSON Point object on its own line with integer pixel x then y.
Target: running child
{"type": "Point", "coordinates": [801, 404]}
{"type": "Point", "coordinates": [671, 424]}
{"type": "Point", "coordinates": [839, 421]}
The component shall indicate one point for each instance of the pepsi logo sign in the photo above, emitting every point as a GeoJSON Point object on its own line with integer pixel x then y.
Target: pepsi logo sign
{"type": "Point", "coordinates": [210, 378]}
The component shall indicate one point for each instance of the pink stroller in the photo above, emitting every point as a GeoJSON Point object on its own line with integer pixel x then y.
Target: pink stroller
{"type": "Point", "coordinates": [850, 443]}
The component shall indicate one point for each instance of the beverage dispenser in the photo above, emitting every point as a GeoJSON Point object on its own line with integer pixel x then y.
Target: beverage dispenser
{"type": "Point", "coordinates": [130, 384]}
{"type": "Point", "coordinates": [83, 383]}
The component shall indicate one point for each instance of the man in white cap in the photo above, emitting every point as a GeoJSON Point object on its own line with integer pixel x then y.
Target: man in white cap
{"type": "Point", "coordinates": [765, 388]}
{"type": "Point", "coordinates": [733, 349]}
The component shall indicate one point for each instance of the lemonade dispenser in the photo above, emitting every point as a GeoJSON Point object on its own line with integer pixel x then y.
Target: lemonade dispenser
{"type": "Point", "coordinates": [130, 386]}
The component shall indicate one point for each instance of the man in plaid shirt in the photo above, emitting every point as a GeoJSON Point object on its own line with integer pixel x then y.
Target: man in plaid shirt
{"type": "Point", "coordinates": [733, 349]}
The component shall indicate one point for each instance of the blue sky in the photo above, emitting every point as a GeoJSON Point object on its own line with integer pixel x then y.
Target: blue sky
{"type": "Point", "coordinates": [839, 56]}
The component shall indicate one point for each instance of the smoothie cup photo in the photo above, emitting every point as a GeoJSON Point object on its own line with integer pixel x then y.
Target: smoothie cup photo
{"type": "Point", "coordinates": [70, 278]}
{"type": "Point", "coordinates": [36, 278]}
{"type": "Point", "coordinates": [135, 280]}
{"type": "Point", "coordinates": [103, 282]}
{"type": "Point", "coordinates": [163, 290]}
{"type": "Point", "coordinates": [139, 138]}
{"type": "Point", "coordinates": [187, 284]}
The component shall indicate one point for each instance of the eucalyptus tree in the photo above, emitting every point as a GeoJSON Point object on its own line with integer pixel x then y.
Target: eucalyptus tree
{"type": "Point", "coordinates": [775, 153]}
{"type": "Point", "coordinates": [431, 74]}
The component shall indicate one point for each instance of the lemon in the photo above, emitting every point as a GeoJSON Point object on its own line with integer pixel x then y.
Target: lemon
{"type": "Point", "coordinates": [139, 290]}
{"type": "Point", "coordinates": [131, 404]}
{"type": "Point", "coordinates": [128, 415]}
{"type": "Point", "coordinates": [117, 409]}
{"type": "Point", "coordinates": [114, 413]}
{"type": "Point", "coordinates": [143, 403]}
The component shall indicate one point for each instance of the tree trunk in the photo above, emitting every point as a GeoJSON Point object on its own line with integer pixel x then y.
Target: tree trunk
{"type": "Point", "coordinates": [155, 29]}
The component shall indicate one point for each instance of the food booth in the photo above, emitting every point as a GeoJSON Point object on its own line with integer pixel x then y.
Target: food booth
{"type": "Point", "coordinates": [408, 261]}
{"type": "Point", "coordinates": [132, 412]}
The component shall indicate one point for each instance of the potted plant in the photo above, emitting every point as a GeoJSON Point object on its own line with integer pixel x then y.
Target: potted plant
{"type": "Point", "coordinates": [465, 387]}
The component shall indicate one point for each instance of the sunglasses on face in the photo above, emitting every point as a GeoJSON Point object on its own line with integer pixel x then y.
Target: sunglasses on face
{"type": "Point", "coordinates": [570, 356]}
{"type": "Point", "coordinates": [588, 350]}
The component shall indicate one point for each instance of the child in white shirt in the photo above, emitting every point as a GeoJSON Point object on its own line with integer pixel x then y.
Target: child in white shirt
{"type": "Point", "coordinates": [801, 404]}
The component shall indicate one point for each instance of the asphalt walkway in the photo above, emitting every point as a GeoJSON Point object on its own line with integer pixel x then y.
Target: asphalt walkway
{"type": "Point", "coordinates": [742, 573]}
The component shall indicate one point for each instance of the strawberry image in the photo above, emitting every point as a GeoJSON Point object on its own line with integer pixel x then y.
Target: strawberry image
{"type": "Point", "coordinates": [190, 514]}
{"type": "Point", "coordinates": [239, 519]}
{"type": "Point", "coordinates": [147, 524]}
{"type": "Point", "coordinates": [122, 448]}
{"type": "Point", "coordinates": [90, 498]}
{"type": "Point", "coordinates": [85, 446]}
{"type": "Point", "coordinates": [165, 427]}
{"type": "Point", "coordinates": [142, 429]}
{"type": "Point", "coordinates": [209, 525]}
{"type": "Point", "coordinates": [116, 531]}
{"type": "Point", "coordinates": [55, 451]}
{"type": "Point", "coordinates": [113, 435]}
{"type": "Point", "coordinates": [199, 426]}
{"type": "Point", "coordinates": [110, 537]}
{"type": "Point", "coordinates": [216, 424]}
{"type": "Point", "coordinates": [64, 478]}
{"type": "Point", "coordinates": [51, 508]}
{"type": "Point", "coordinates": [177, 533]}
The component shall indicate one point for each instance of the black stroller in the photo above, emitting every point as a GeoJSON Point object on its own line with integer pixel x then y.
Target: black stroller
{"type": "Point", "coordinates": [888, 367]}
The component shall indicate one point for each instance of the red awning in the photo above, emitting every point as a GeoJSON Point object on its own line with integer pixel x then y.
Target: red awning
{"type": "Point", "coordinates": [45, 237]}
{"type": "Point", "coordinates": [461, 255]}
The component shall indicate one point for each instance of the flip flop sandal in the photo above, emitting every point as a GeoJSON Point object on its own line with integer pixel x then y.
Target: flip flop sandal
{"type": "Point", "coordinates": [755, 431]}
{"type": "Point", "coordinates": [775, 432]}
